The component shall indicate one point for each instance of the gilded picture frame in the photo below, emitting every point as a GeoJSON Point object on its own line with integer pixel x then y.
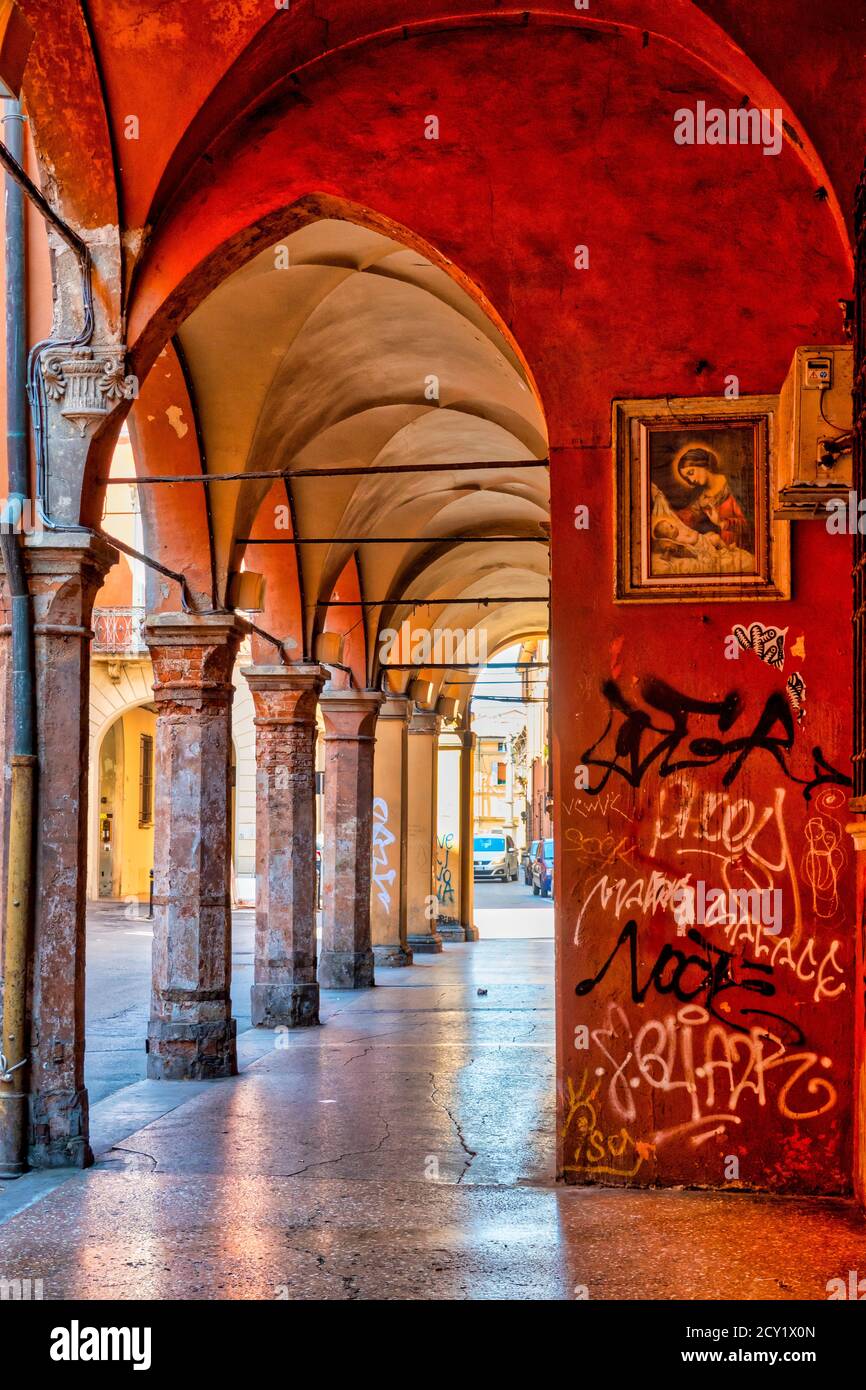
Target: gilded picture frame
{"type": "Point", "coordinates": [694, 493]}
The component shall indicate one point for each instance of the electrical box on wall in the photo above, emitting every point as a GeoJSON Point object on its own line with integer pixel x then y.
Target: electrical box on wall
{"type": "Point", "coordinates": [815, 424]}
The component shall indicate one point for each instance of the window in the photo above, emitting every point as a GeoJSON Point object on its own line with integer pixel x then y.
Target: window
{"type": "Point", "coordinates": [501, 774]}
{"type": "Point", "coordinates": [145, 781]}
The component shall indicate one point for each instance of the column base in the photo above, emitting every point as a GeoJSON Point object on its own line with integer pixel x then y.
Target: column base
{"type": "Point", "coordinates": [285, 1006]}
{"type": "Point", "coordinates": [392, 956]}
{"type": "Point", "coordinates": [452, 931]}
{"type": "Point", "coordinates": [58, 1130]}
{"type": "Point", "coordinates": [14, 1119]}
{"type": "Point", "coordinates": [346, 969]}
{"type": "Point", "coordinates": [470, 931]}
{"type": "Point", "coordinates": [430, 944]}
{"type": "Point", "coordinates": [191, 1051]}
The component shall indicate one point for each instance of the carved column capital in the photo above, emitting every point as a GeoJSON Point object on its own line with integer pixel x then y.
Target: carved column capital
{"type": "Point", "coordinates": [87, 383]}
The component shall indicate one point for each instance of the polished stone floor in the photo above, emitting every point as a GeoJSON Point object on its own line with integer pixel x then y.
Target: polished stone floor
{"type": "Point", "coordinates": [402, 1151]}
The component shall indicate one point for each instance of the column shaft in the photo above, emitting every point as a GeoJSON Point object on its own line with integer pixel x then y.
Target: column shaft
{"type": "Point", "coordinates": [388, 896]}
{"type": "Point", "coordinates": [66, 571]}
{"type": "Point", "coordinates": [192, 1032]}
{"type": "Point", "coordinates": [449, 842]}
{"type": "Point", "coordinates": [350, 724]}
{"type": "Point", "coordinates": [467, 835]}
{"type": "Point", "coordinates": [285, 990]}
{"type": "Point", "coordinates": [423, 934]}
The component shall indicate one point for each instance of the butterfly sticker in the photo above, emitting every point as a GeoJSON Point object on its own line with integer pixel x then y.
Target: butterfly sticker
{"type": "Point", "coordinates": [766, 642]}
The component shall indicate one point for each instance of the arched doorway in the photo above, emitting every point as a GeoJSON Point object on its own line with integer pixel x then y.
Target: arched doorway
{"type": "Point", "coordinates": [125, 805]}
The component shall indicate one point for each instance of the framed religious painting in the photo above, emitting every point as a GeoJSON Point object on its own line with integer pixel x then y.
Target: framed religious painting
{"type": "Point", "coordinates": [694, 484]}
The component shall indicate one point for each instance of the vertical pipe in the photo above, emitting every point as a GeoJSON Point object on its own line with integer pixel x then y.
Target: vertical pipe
{"type": "Point", "coordinates": [13, 1042]}
{"type": "Point", "coordinates": [16, 313]}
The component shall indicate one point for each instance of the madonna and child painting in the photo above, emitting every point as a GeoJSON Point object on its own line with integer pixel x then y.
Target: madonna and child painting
{"type": "Point", "coordinates": [694, 501]}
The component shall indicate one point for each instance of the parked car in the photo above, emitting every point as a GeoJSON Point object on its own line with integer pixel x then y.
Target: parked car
{"type": "Point", "coordinates": [542, 869]}
{"type": "Point", "coordinates": [495, 856]}
{"type": "Point", "coordinates": [527, 860]}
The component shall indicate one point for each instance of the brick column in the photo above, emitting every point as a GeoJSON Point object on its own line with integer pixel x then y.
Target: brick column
{"type": "Point", "coordinates": [66, 571]}
{"type": "Point", "coordinates": [285, 990]}
{"type": "Point", "coordinates": [423, 935]}
{"type": "Point", "coordinates": [350, 724]}
{"type": "Point", "coordinates": [192, 1032]}
{"type": "Point", "coordinates": [388, 896]}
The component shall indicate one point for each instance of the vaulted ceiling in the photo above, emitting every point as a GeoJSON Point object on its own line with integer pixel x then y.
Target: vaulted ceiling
{"type": "Point", "coordinates": [341, 348]}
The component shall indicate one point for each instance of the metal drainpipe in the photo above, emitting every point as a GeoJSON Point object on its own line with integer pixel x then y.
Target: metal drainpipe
{"type": "Point", "coordinates": [13, 1043]}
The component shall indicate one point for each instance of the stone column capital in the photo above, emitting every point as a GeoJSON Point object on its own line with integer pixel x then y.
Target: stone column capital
{"type": "Point", "coordinates": [397, 707]}
{"type": "Point", "coordinates": [193, 655]}
{"type": "Point", "coordinates": [285, 695]}
{"type": "Point", "coordinates": [350, 714]}
{"type": "Point", "coordinates": [59, 552]}
{"type": "Point", "coordinates": [468, 740]}
{"type": "Point", "coordinates": [194, 629]}
{"type": "Point", "coordinates": [290, 676]}
{"type": "Point", "coordinates": [66, 570]}
{"type": "Point", "coordinates": [425, 721]}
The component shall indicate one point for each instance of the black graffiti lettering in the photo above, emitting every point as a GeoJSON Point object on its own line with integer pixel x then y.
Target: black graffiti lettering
{"type": "Point", "coordinates": [714, 978]}
{"type": "Point", "coordinates": [828, 773]}
{"type": "Point", "coordinates": [776, 711]}
{"type": "Point", "coordinates": [629, 742]}
{"type": "Point", "coordinates": [633, 756]}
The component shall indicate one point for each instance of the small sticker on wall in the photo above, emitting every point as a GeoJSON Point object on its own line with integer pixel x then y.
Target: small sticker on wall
{"type": "Point", "coordinates": [796, 690]}
{"type": "Point", "coordinates": [768, 643]}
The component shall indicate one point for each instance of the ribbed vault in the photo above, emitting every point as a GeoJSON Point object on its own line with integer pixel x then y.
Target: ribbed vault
{"type": "Point", "coordinates": [341, 348]}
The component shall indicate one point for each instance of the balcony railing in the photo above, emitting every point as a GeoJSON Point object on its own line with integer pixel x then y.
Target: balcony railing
{"type": "Point", "coordinates": [119, 631]}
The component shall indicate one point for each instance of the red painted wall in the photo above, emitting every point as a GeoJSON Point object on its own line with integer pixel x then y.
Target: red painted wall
{"type": "Point", "coordinates": [703, 261]}
{"type": "Point", "coordinates": [671, 1087]}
